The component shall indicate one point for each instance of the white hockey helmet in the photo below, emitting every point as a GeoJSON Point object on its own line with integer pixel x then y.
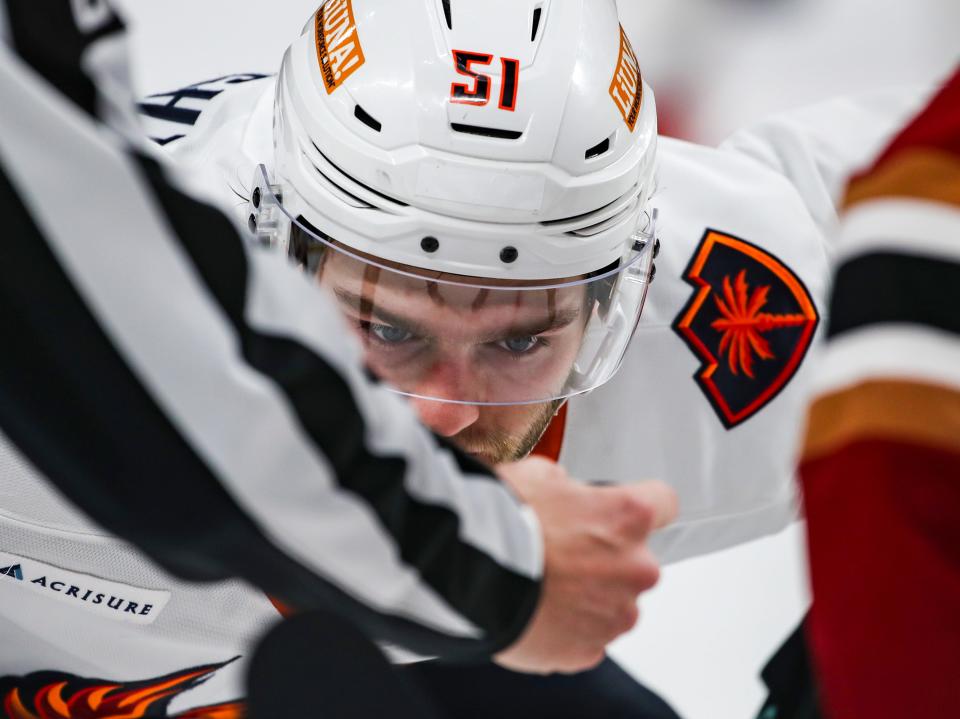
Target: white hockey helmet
{"type": "Point", "coordinates": [494, 148]}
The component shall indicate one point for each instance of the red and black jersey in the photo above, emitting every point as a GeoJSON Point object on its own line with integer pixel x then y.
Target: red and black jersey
{"type": "Point", "coordinates": [881, 467]}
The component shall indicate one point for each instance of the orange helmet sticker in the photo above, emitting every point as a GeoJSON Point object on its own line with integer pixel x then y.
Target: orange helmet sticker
{"type": "Point", "coordinates": [627, 86]}
{"type": "Point", "coordinates": [338, 43]}
{"type": "Point", "coordinates": [750, 322]}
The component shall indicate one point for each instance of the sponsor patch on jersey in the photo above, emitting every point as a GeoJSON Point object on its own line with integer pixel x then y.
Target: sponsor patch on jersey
{"type": "Point", "coordinates": [627, 87]}
{"type": "Point", "coordinates": [338, 44]}
{"type": "Point", "coordinates": [65, 696]}
{"type": "Point", "coordinates": [750, 322]}
{"type": "Point", "coordinates": [105, 598]}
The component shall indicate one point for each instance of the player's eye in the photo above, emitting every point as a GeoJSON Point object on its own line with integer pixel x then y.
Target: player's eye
{"type": "Point", "coordinates": [389, 334]}
{"type": "Point", "coordinates": [520, 345]}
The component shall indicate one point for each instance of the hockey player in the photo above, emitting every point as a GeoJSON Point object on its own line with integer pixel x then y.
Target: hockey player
{"type": "Point", "coordinates": [453, 200]}
{"type": "Point", "coordinates": [479, 193]}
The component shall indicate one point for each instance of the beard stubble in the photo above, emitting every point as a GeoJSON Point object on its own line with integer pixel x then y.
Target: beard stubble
{"type": "Point", "coordinates": [496, 447]}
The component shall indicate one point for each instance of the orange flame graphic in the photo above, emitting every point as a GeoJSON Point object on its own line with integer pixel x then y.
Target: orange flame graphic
{"type": "Point", "coordinates": [101, 700]}
{"type": "Point", "coordinates": [742, 324]}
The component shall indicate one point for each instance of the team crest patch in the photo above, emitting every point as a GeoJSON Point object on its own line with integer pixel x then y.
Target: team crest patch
{"type": "Point", "coordinates": [750, 321]}
{"type": "Point", "coordinates": [338, 44]}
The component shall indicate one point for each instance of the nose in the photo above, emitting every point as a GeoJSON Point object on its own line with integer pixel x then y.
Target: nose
{"type": "Point", "coordinates": [449, 378]}
{"type": "Point", "coordinates": [445, 418]}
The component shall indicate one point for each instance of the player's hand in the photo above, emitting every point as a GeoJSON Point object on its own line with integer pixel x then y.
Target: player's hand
{"type": "Point", "coordinates": [596, 564]}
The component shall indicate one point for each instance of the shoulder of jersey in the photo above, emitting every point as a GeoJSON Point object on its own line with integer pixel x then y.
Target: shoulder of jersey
{"type": "Point", "coordinates": [741, 277]}
{"type": "Point", "coordinates": [180, 117]}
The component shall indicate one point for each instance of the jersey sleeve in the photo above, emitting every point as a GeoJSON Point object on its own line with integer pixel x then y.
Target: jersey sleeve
{"type": "Point", "coordinates": [174, 117]}
{"type": "Point", "coordinates": [202, 399]}
{"type": "Point", "coordinates": [817, 148]}
{"type": "Point", "coordinates": [881, 466]}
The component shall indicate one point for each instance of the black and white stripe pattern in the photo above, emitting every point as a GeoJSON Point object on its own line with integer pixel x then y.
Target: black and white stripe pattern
{"type": "Point", "coordinates": [157, 364]}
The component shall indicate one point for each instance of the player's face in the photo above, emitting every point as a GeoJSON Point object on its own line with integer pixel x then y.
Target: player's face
{"type": "Point", "coordinates": [463, 343]}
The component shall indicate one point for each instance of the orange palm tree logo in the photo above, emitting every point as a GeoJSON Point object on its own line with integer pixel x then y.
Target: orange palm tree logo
{"type": "Point", "coordinates": [743, 324]}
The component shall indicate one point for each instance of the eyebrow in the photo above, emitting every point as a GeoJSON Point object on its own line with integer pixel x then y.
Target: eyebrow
{"type": "Point", "coordinates": [556, 321]}
{"type": "Point", "coordinates": [365, 307]}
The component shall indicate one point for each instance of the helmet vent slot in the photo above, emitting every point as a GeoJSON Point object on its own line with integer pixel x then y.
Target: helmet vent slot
{"type": "Point", "coordinates": [367, 119]}
{"type": "Point", "coordinates": [579, 218]}
{"type": "Point", "coordinates": [537, 14]}
{"type": "Point", "coordinates": [486, 131]}
{"type": "Point", "coordinates": [447, 13]}
{"type": "Point", "coordinates": [355, 181]}
{"type": "Point", "coordinates": [601, 148]}
{"type": "Point", "coordinates": [603, 218]}
{"type": "Point", "coordinates": [344, 195]}
{"type": "Point", "coordinates": [603, 224]}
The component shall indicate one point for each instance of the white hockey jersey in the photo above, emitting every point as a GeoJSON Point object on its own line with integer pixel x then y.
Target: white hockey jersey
{"type": "Point", "coordinates": [709, 399]}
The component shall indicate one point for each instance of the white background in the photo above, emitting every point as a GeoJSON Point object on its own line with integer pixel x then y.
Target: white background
{"type": "Point", "coordinates": [713, 621]}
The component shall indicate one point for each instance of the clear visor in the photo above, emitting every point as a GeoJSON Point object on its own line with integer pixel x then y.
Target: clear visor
{"type": "Point", "coordinates": [481, 341]}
